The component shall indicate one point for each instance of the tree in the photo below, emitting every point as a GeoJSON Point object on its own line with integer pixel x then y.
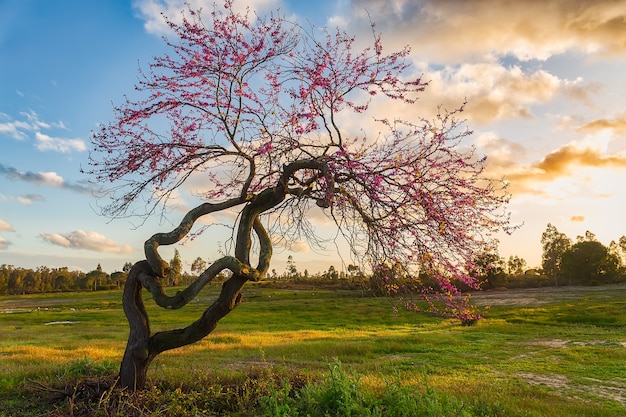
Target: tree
{"type": "Point", "coordinates": [127, 266]}
{"type": "Point", "coordinates": [292, 270]}
{"type": "Point", "coordinates": [489, 267]}
{"type": "Point", "coordinates": [618, 249]}
{"type": "Point", "coordinates": [175, 268]}
{"type": "Point", "coordinates": [589, 262]}
{"type": "Point", "coordinates": [94, 278]}
{"type": "Point", "coordinates": [554, 245]}
{"type": "Point", "coordinates": [386, 279]}
{"type": "Point", "coordinates": [622, 243]}
{"type": "Point", "coordinates": [259, 108]}
{"type": "Point", "coordinates": [516, 265]}
{"type": "Point", "coordinates": [198, 265]}
{"type": "Point", "coordinates": [356, 275]}
{"type": "Point", "coordinates": [331, 274]}
{"type": "Point", "coordinates": [64, 279]}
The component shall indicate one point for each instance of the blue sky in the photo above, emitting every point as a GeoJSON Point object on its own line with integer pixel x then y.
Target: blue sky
{"type": "Point", "coordinates": [544, 80]}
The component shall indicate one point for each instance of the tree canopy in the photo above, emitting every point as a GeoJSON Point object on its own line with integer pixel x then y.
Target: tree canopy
{"type": "Point", "coordinates": [589, 262]}
{"type": "Point", "coordinates": [261, 109]}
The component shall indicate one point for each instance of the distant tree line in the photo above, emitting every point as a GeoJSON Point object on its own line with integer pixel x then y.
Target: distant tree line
{"type": "Point", "coordinates": [564, 262]}
{"type": "Point", "coordinates": [16, 280]}
{"type": "Point", "coordinates": [352, 274]}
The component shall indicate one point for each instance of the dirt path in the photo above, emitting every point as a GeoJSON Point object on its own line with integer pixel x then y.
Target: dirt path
{"type": "Point", "coordinates": [539, 296]}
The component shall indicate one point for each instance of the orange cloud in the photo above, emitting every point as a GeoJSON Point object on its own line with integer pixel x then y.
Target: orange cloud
{"type": "Point", "coordinates": [455, 30]}
{"type": "Point", "coordinates": [558, 164]}
{"type": "Point", "coordinates": [579, 219]}
{"type": "Point", "coordinates": [617, 125]}
{"type": "Point", "coordinates": [561, 161]}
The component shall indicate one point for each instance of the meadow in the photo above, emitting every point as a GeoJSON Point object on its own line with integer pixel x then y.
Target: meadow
{"type": "Point", "coordinates": [294, 352]}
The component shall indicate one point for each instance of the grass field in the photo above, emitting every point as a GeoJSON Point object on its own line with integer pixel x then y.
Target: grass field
{"type": "Point", "coordinates": [539, 352]}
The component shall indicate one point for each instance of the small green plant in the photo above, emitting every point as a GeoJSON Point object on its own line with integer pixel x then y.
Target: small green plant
{"type": "Point", "coordinates": [88, 368]}
{"type": "Point", "coordinates": [341, 394]}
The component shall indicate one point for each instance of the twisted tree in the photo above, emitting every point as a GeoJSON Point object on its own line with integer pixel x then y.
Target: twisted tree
{"type": "Point", "coordinates": [255, 106]}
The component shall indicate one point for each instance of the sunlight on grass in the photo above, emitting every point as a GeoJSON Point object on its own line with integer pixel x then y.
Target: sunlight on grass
{"type": "Point", "coordinates": [552, 358]}
{"type": "Point", "coordinates": [40, 355]}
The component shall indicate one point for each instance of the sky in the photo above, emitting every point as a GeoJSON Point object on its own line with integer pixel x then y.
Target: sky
{"type": "Point", "coordinates": [545, 83]}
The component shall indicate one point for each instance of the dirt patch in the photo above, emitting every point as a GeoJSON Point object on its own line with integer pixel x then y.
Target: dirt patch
{"type": "Point", "coordinates": [552, 381]}
{"type": "Point", "coordinates": [532, 297]}
{"type": "Point", "coordinates": [558, 343]}
{"type": "Point", "coordinates": [555, 343]}
{"type": "Point", "coordinates": [610, 389]}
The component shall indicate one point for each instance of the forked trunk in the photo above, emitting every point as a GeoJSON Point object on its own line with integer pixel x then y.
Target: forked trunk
{"type": "Point", "coordinates": [142, 348]}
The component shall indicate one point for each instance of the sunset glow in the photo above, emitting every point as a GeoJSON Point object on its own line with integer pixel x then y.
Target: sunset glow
{"type": "Point", "coordinates": [544, 84]}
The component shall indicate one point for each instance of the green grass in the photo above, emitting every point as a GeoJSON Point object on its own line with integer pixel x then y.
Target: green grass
{"type": "Point", "coordinates": [549, 352]}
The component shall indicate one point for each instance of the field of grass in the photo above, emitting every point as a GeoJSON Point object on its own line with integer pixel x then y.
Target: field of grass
{"type": "Point", "coordinates": [544, 352]}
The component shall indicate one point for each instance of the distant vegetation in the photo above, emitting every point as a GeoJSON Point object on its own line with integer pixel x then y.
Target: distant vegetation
{"type": "Point", "coordinates": [586, 262]}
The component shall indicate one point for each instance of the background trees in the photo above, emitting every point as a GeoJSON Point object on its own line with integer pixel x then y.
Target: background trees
{"type": "Point", "coordinates": [586, 262]}
{"type": "Point", "coordinates": [589, 262]}
{"type": "Point", "coordinates": [554, 244]}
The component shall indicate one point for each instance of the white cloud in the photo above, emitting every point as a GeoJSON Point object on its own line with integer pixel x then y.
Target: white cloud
{"type": "Point", "coordinates": [299, 246]}
{"type": "Point", "coordinates": [493, 91]}
{"type": "Point", "coordinates": [28, 199]}
{"type": "Point", "coordinates": [47, 143]}
{"type": "Point", "coordinates": [151, 10]}
{"type": "Point", "coordinates": [20, 129]}
{"type": "Point", "coordinates": [4, 244]}
{"type": "Point", "coordinates": [17, 128]}
{"type": "Point", "coordinates": [81, 239]}
{"type": "Point", "coordinates": [5, 226]}
{"type": "Point", "coordinates": [33, 120]}
{"type": "Point", "coordinates": [13, 128]}
{"type": "Point", "coordinates": [51, 179]}
{"type": "Point", "coordinates": [293, 246]}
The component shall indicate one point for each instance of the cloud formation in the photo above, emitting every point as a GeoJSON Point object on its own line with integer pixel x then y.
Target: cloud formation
{"type": "Point", "coordinates": [48, 143]}
{"type": "Point", "coordinates": [297, 245]}
{"type": "Point", "coordinates": [4, 244]}
{"type": "Point", "coordinates": [564, 160]}
{"type": "Point", "coordinates": [560, 163]}
{"type": "Point", "coordinates": [20, 130]}
{"type": "Point", "coordinates": [493, 91]}
{"type": "Point", "coordinates": [28, 199]}
{"type": "Point", "coordinates": [617, 125]}
{"type": "Point", "coordinates": [577, 219]}
{"type": "Point", "coordinates": [453, 30]}
{"type": "Point", "coordinates": [81, 239]}
{"type": "Point", "coordinates": [151, 10]}
{"type": "Point", "coordinates": [5, 226]}
{"type": "Point", "coordinates": [49, 179]}
{"type": "Point", "coordinates": [13, 128]}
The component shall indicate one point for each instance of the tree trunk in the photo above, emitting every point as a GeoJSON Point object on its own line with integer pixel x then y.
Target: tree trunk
{"type": "Point", "coordinates": [134, 367]}
{"type": "Point", "coordinates": [142, 348]}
